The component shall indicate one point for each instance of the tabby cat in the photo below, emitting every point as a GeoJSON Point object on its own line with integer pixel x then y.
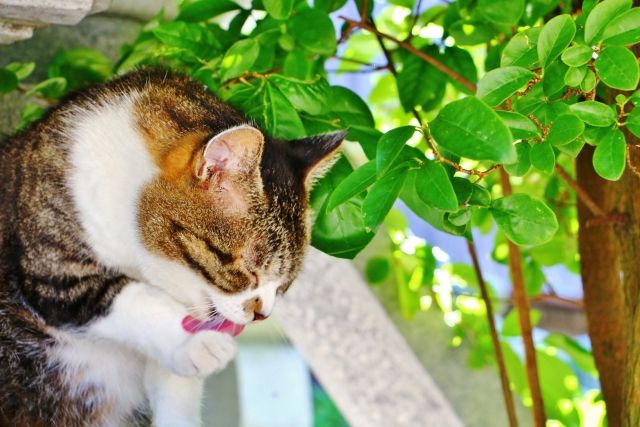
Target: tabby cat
{"type": "Point", "coordinates": [130, 207]}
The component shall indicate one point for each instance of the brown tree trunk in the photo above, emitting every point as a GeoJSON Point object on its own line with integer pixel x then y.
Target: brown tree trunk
{"type": "Point", "coordinates": [610, 260]}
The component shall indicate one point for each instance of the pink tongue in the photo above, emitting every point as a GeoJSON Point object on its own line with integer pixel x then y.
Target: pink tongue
{"type": "Point", "coordinates": [193, 325]}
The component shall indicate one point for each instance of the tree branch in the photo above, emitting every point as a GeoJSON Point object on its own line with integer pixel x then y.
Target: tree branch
{"type": "Point", "coordinates": [502, 368]}
{"type": "Point", "coordinates": [409, 48]}
{"type": "Point", "coordinates": [582, 195]}
{"type": "Point", "coordinates": [522, 305]}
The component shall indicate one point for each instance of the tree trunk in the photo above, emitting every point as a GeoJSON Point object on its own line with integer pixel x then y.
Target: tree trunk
{"type": "Point", "coordinates": [610, 262]}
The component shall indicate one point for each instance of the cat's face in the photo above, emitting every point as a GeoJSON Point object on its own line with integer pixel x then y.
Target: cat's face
{"type": "Point", "coordinates": [231, 206]}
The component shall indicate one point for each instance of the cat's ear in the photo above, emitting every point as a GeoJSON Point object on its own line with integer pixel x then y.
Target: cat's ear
{"type": "Point", "coordinates": [315, 155]}
{"type": "Point", "coordinates": [236, 150]}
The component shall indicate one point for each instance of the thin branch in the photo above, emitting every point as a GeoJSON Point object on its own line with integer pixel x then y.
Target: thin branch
{"type": "Point", "coordinates": [361, 70]}
{"type": "Point", "coordinates": [355, 61]}
{"type": "Point", "coordinates": [502, 368]}
{"type": "Point", "coordinates": [522, 305]}
{"type": "Point", "coordinates": [414, 21]}
{"type": "Point", "coordinates": [439, 157]}
{"type": "Point", "coordinates": [409, 48]}
{"type": "Point", "coordinates": [363, 13]}
{"type": "Point", "coordinates": [581, 193]}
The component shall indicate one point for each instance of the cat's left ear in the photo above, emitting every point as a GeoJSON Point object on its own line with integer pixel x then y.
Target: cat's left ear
{"type": "Point", "coordinates": [236, 150]}
{"type": "Point", "coordinates": [315, 155]}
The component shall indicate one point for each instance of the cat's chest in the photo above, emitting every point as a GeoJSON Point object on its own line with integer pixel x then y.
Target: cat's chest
{"type": "Point", "coordinates": [108, 377]}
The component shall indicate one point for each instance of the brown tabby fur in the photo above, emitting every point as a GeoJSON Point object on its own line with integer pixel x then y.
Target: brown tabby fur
{"type": "Point", "coordinates": [50, 279]}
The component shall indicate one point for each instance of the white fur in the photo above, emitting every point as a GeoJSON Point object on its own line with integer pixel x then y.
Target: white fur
{"type": "Point", "coordinates": [109, 167]}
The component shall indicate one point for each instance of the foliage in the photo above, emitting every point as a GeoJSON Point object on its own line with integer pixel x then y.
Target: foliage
{"type": "Point", "coordinates": [541, 69]}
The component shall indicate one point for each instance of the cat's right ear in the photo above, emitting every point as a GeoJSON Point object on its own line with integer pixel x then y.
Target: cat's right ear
{"type": "Point", "coordinates": [235, 151]}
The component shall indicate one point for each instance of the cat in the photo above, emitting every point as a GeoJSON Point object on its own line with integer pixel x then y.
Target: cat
{"type": "Point", "coordinates": [128, 207]}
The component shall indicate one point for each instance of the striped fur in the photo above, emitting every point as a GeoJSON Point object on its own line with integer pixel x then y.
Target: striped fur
{"type": "Point", "coordinates": [129, 206]}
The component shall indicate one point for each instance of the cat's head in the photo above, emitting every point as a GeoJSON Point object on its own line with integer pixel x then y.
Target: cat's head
{"type": "Point", "coordinates": [230, 203]}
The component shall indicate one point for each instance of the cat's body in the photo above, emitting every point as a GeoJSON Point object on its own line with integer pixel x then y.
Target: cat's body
{"type": "Point", "coordinates": [130, 206]}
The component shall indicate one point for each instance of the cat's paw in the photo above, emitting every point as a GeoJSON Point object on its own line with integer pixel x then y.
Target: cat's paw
{"type": "Point", "coordinates": [203, 353]}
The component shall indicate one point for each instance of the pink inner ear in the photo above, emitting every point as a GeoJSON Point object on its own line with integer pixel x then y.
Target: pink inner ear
{"type": "Point", "coordinates": [218, 155]}
{"type": "Point", "coordinates": [236, 150]}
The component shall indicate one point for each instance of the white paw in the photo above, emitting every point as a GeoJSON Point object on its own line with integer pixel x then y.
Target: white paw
{"type": "Point", "coordinates": [203, 353]}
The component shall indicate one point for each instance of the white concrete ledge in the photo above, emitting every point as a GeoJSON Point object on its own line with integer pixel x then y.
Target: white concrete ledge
{"type": "Point", "coordinates": [356, 352]}
{"type": "Point", "coordinates": [18, 18]}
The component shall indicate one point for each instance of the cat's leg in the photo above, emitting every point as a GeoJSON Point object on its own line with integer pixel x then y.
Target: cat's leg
{"type": "Point", "coordinates": [175, 401]}
{"type": "Point", "coordinates": [149, 320]}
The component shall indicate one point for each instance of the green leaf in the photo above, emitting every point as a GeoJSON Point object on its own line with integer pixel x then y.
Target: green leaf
{"type": "Point", "coordinates": [624, 29]}
{"type": "Point", "coordinates": [565, 129]}
{"type": "Point", "coordinates": [501, 12]}
{"type": "Point", "coordinates": [29, 114]}
{"type": "Point", "coordinates": [577, 55]}
{"type": "Point", "coordinates": [419, 83]}
{"type": "Point", "coordinates": [610, 155]}
{"type": "Point", "coordinates": [480, 196]}
{"type": "Point", "coordinates": [434, 187]}
{"type": "Point", "coordinates": [469, 128]}
{"type": "Point", "coordinates": [573, 148]}
{"type": "Point", "coordinates": [633, 121]}
{"type": "Point", "coordinates": [381, 197]}
{"type": "Point", "coordinates": [8, 80]}
{"type": "Point", "coordinates": [81, 67]}
{"type": "Point", "coordinates": [525, 220]}
{"type": "Point", "coordinates": [463, 189]}
{"type": "Point", "coordinates": [534, 278]}
{"type": "Point", "coordinates": [297, 65]}
{"type": "Point", "coordinates": [264, 101]}
{"type": "Point", "coordinates": [377, 270]}
{"type": "Point", "coordinates": [279, 9]}
{"type": "Point", "coordinates": [555, 36]}
{"type": "Point", "coordinates": [354, 183]}
{"type": "Point", "coordinates": [311, 97]}
{"type": "Point", "coordinates": [594, 113]}
{"type": "Point", "coordinates": [499, 84]}
{"type": "Point", "coordinates": [589, 82]}
{"type": "Point", "coordinates": [239, 58]}
{"type": "Point", "coordinates": [51, 88]}
{"type": "Point", "coordinates": [460, 217]}
{"type": "Point", "coordinates": [523, 164]}
{"type": "Point", "coordinates": [469, 33]}
{"type": "Point", "coordinates": [522, 49]}
{"type": "Point", "coordinates": [553, 82]}
{"type": "Point", "coordinates": [600, 16]}
{"type": "Point", "coordinates": [618, 68]}
{"type": "Point", "coordinates": [329, 5]}
{"type": "Point", "coordinates": [580, 355]}
{"type": "Point", "coordinates": [389, 147]}
{"type": "Point", "coordinates": [203, 10]}
{"type": "Point", "coordinates": [22, 70]}
{"type": "Point", "coordinates": [313, 30]}
{"type": "Point", "coordinates": [461, 61]}
{"type": "Point", "coordinates": [190, 39]}
{"type": "Point", "coordinates": [575, 75]}
{"type": "Point", "coordinates": [542, 157]}
{"type": "Point", "coordinates": [521, 126]}
{"type": "Point", "coordinates": [433, 216]}
{"type": "Point", "coordinates": [341, 232]}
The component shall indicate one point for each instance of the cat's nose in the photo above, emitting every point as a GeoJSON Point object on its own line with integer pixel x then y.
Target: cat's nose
{"type": "Point", "coordinates": [259, 316]}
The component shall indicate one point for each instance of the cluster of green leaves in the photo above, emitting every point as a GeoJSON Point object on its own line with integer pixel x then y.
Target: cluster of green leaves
{"type": "Point", "coordinates": [549, 79]}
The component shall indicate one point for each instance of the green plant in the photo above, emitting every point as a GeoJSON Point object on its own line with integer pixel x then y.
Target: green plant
{"type": "Point", "coordinates": [476, 97]}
